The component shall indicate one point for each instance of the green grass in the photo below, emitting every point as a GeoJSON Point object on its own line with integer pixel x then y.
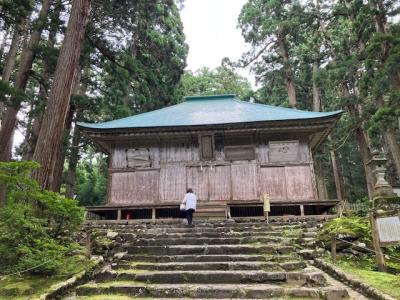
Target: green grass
{"type": "Point", "coordinates": [32, 286]}
{"type": "Point", "coordinates": [364, 270]}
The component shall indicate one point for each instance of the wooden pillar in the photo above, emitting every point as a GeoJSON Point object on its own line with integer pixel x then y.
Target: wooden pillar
{"type": "Point", "coordinates": [153, 215]}
{"type": "Point", "coordinates": [88, 245]}
{"type": "Point", "coordinates": [380, 258]}
{"type": "Point", "coordinates": [119, 214]}
{"type": "Point", "coordinates": [333, 249]}
{"type": "Point", "coordinates": [302, 210]}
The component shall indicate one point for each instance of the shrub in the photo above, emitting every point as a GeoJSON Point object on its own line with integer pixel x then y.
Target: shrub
{"type": "Point", "coordinates": [352, 228]}
{"type": "Point", "coordinates": [36, 227]}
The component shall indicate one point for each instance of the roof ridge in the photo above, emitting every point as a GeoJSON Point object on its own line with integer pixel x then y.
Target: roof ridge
{"type": "Point", "coordinates": [287, 108]}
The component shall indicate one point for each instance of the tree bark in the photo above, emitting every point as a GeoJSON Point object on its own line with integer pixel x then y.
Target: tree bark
{"type": "Point", "coordinates": [320, 176]}
{"type": "Point", "coordinates": [315, 88]}
{"type": "Point", "coordinates": [337, 178]}
{"type": "Point", "coordinates": [55, 185]}
{"type": "Point", "coordinates": [9, 63]}
{"type": "Point", "coordinates": [51, 133]}
{"type": "Point", "coordinates": [70, 180]}
{"type": "Point", "coordinates": [72, 163]}
{"type": "Point", "coordinates": [289, 78]}
{"type": "Point", "coordinates": [366, 157]}
{"type": "Point", "coordinates": [391, 141]}
{"type": "Point", "coordinates": [31, 140]}
{"type": "Point", "coordinates": [25, 65]}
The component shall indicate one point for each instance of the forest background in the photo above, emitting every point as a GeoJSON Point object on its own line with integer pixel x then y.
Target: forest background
{"type": "Point", "coordinates": [63, 62]}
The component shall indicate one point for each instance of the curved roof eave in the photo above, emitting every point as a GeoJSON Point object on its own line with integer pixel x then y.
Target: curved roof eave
{"type": "Point", "coordinates": [208, 111]}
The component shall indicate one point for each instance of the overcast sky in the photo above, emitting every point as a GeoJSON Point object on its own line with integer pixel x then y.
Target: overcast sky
{"type": "Point", "coordinates": [211, 32]}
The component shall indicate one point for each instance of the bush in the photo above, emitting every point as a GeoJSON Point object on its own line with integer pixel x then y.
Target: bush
{"type": "Point", "coordinates": [36, 227]}
{"type": "Point", "coordinates": [352, 228]}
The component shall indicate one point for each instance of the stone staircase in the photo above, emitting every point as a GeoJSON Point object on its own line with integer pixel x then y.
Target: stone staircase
{"type": "Point", "coordinates": [213, 260]}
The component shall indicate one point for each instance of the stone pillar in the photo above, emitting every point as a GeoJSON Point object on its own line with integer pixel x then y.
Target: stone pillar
{"type": "Point", "coordinates": [380, 204]}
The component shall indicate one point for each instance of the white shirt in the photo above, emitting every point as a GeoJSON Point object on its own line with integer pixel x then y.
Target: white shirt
{"type": "Point", "coordinates": [190, 201]}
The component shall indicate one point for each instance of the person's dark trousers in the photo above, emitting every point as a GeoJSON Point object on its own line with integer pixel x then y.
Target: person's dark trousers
{"type": "Point", "coordinates": [189, 215]}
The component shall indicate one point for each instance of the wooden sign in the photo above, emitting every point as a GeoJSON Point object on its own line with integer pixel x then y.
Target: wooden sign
{"type": "Point", "coordinates": [283, 151]}
{"type": "Point", "coordinates": [267, 203]}
{"type": "Point", "coordinates": [138, 157]}
{"type": "Point", "coordinates": [388, 230]}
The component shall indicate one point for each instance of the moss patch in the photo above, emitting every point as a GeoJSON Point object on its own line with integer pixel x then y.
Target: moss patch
{"type": "Point", "coordinates": [385, 282]}
{"type": "Point", "coordinates": [32, 286]}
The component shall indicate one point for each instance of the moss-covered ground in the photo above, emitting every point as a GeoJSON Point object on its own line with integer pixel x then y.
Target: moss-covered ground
{"type": "Point", "coordinates": [31, 286]}
{"type": "Point", "coordinates": [365, 270]}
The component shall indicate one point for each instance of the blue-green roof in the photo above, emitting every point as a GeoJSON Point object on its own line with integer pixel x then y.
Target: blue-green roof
{"type": "Point", "coordinates": [209, 110]}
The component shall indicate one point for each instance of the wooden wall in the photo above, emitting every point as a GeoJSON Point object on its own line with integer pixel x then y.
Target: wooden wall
{"type": "Point", "coordinates": [281, 168]}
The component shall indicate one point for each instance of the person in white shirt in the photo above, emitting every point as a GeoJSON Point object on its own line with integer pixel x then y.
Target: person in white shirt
{"type": "Point", "coordinates": [190, 201]}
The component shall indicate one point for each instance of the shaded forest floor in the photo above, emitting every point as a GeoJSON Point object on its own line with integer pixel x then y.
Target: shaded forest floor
{"type": "Point", "coordinates": [364, 269]}
{"type": "Point", "coordinates": [26, 286]}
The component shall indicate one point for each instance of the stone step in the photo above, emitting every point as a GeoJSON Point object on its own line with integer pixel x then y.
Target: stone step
{"type": "Point", "coordinates": [185, 228]}
{"type": "Point", "coordinates": [310, 234]}
{"type": "Point", "coordinates": [214, 277]}
{"type": "Point", "coordinates": [206, 258]}
{"type": "Point", "coordinates": [208, 249]}
{"type": "Point", "coordinates": [202, 241]}
{"type": "Point", "coordinates": [204, 234]}
{"type": "Point", "coordinates": [223, 266]}
{"type": "Point", "coordinates": [216, 291]}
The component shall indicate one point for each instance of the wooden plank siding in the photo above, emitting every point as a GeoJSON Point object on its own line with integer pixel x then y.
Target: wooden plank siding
{"type": "Point", "coordinates": [197, 179]}
{"type": "Point", "coordinates": [245, 182]}
{"type": "Point", "coordinates": [299, 183]}
{"type": "Point", "coordinates": [134, 187]}
{"type": "Point", "coordinates": [176, 165]}
{"type": "Point", "coordinates": [220, 183]}
{"type": "Point", "coordinates": [172, 183]}
{"type": "Point", "coordinates": [273, 182]}
{"type": "Point", "coordinates": [118, 160]}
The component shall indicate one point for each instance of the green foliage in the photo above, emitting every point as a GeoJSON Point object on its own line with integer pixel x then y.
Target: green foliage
{"type": "Point", "coordinates": [221, 80]}
{"type": "Point", "coordinates": [92, 180]}
{"type": "Point", "coordinates": [353, 228]}
{"type": "Point", "coordinates": [15, 11]}
{"type": "Point", "coordinates": [36, 227]}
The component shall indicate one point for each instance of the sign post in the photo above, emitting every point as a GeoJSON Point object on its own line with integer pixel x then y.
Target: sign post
{"type": "Point", "coordinates": [384, 213]}
{"type": "Point", "coordinates": [267, 206]}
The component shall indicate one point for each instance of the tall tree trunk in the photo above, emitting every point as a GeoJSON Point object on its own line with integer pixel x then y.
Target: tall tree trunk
{"type": "Point", "coordinates": [315, 87]}
{"type": "Point", "coordinates": [55, 185]}
{"type": "Point", "coordinates": [391, 141]}
{"type": "Point", "coordinates": [51, 133]}
{"type": "Point", "coordinates": [289, 77]}
{"type": "Point", "coordinates": [72, 164]}
{"type": "Point", "coordinates": [389, 134]}
{"type": "Point", "coordinates": [337, 177]}
{"type": "Point", "coordinates": [31, 140]}
{"type": "Point", "coordinates": [320, 176]}
{"type": "Point", "coordinates": [9, 63]}
{"type": "Point", "coordinates": [27, 57]}
{"type": "Point", "coordinates": [70, 180]}
{"type": "Point", "coordinates": [366, 157]}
